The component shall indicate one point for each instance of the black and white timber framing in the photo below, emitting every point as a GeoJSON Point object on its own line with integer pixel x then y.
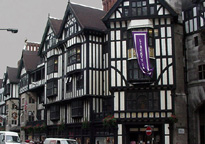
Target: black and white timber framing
{"type": "Point", "coordinates": [91, 71]}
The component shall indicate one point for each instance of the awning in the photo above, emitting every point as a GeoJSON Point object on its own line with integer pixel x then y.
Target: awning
{"type": "Point", "coordinates": [140, 23]}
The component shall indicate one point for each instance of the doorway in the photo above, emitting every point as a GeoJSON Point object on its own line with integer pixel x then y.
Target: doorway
{"type": "Point", "coordinates": [137, 135]}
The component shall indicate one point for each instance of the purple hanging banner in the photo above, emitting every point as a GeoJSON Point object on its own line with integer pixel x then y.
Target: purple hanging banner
{"type": "Point", "coordinates": [142, 52]}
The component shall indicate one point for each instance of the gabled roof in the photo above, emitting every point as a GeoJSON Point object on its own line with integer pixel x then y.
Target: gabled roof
{"type": "Point", "coordinates": [29, 60]}
{"type": "Point", "coordinates": [55, 25]}
{"type": "Point", "coordinates": [163, 3]}
{"type": "Point", "coordinates": [12, 74]}
{"type": "Point", "coordinates": [87, 17]}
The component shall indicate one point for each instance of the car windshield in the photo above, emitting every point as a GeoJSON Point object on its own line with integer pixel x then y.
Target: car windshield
{"type": "Point", "coordinates": [69, 142]}
{"type": "Point", "coordinates": [12, 139]}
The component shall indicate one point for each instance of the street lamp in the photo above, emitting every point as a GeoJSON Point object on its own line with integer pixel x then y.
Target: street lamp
{"type": "Point", "coordinates": [11, 30]}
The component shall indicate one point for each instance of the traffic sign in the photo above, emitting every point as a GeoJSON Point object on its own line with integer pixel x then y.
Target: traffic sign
{"type": "Point", "coordinates": [148, 131]}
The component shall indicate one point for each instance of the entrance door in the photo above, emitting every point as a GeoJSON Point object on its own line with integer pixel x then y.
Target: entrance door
{"type": "Point", "coordinates": [137, 135]}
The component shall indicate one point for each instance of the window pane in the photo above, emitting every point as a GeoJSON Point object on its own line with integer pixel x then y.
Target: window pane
{"type": "Point", "coordinates": [139, 11]}
{"type": "Point", "coordinates": [144, 10]}
{"type": "Point", "coordinates": [139, 4]}
{"type": "Point", "coordinates": [126, 12]}
{"type": "Point", "coordinates": [151, 10]}
{"type": "Point", "coordinates": [133, 4]}
{"type": "Point", "coordinates": [134, 12]}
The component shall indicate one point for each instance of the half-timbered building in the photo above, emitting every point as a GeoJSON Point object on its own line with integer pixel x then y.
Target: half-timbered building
{"type": "Point", "coordinates": [74, 73]}
{"type": "Point", "coordinates": [194, 26]}
{"type": "Point", "coordinates": [143, 100]}
{"type": "Point", "coordinates": [10, 84]}
{"type": "Point", "coordinates": [92, 75]}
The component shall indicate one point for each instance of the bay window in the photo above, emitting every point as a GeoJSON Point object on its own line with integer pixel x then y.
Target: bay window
{"type": "Point", "coordinates": [134, 72]}
{"type": "Point", "coordinates": [52, 65]}
{"type": "Point", "coordinates": [73, 55]}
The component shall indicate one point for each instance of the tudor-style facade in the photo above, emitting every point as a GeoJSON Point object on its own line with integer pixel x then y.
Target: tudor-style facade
{"type": "Point", "coordinates": [90, 75]}
{"type": "Point", "coordinates": [10, 84]}
{"type": "Point", "coordinates": [140, 100]}
{"type": "Point", "coordinates": [194, 26]}
{"type": "Point", "coordinates": [74, 73]}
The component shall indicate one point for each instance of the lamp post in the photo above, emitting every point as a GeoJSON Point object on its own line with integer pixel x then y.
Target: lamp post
{"type": "Point", "coordinates": [11, 30]}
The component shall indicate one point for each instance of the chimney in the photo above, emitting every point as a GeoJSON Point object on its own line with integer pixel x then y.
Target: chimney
{"type": "Point", "coordinates": [107, 4]}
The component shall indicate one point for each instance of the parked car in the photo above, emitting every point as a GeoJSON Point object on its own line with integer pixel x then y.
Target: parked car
{"type": "Point", "coordinates": [8, 137]}
{"type": "Point", "coordinates": [60, 141]}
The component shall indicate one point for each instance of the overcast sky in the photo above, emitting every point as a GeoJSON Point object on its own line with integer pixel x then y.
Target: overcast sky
{"type": "Point", "coordinates": [30, 18]}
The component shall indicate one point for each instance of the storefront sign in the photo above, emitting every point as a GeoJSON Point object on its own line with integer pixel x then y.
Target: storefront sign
{"type": "Point", "coordinates": [142, 52]}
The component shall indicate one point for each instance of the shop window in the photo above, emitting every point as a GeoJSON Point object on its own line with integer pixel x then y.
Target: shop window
{"type": "Point", "coordinates": [134, 72]}
{"type": "Point", "coordinates": [142, 101]}
{"type": "Point", "coordinates": [55, 112]}
{"type": "Point", "coordinates": [77, 109]}
{"type": "Point", "coordinates": [52, 88]}
{"type": "Point", "coordinates": [80, 81]}
{"type": "Point", "coordinates": [201, 71]}
{"type": "Point", "coordinates": [69, 84]}
{"type": "Point", "coordinates": [73, 55]}
{"type": "Point", "coordinates": [52, 65]}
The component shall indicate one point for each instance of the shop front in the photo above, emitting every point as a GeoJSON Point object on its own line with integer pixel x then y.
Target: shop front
{"type": "Point", "coordinates": [145, 134]}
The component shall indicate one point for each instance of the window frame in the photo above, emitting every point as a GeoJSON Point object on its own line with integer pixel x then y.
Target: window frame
{"type": "Point", "coordinates": [151, 99]}
{"type": "Point", "coordinates": [69, 84]}
{"type": "Point", "coordinates": [31, 116]}
{"type": "Point", "coordinates": [201, 72]}
{"type": "Point", "coordinates": [77, 109]}
{"type": "Point", "coordinates": [52, 86]}
{"type": "Point", "coordinates": [52, 65]}
{"type": "Point", "coordinates": [79, 81]}
{"type": "Point", "coordinates": [74, 54]}
{"type": "Point", "coordinates": [54, 112]}
{"type": "Point", "coordinates": [50, 41]}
